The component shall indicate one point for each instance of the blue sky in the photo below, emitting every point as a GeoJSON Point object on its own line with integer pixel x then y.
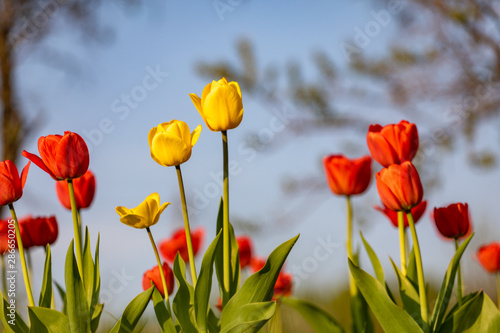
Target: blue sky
{"type": "Point", "coordinates": [168, 39]}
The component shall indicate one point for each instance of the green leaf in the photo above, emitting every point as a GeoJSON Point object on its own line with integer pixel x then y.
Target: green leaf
{"type": "Point", "coordinates": [12, 322]}
{"type": "Point", "coordinates": [444, 296]}
{"type": "Point", "coordinates": [409, 295]}
{"type": "Point", "coordinates": [78, 308]}
{"type": "Point", "coordinates": [320, 320]}
{"type": "Point", "coordinates": [88, 267]}
{"type": "Point", "coordinates": [96, 316]}
{"type": "Point", "coordinates": [392, 318]}
{"type": "Point", "coordinates": [250, 318]}
{"type": "Point", "coordinates": [478, 314]}
{"type": "Point", "coordinates": [184, 298]}
{"type": "Point", "coordinates": [377, 266]}
{"type": "Point", "coordinates": [411, 271]}
{"type": "Point", "coordinates": [204, 285]}
{"type": "Point", "coordinates": [97, 274]}
{"type": "Point", "coordinates": [133, 313]}
{"type": "Point", "coordinates": [45, 320]}
{"type": "Point", "coordinates": [162, 314]}
{"type": "Point", "coordinates": [361, 321]}
{"type": "Point", "coordinates": [213, 322]}
{"type": "Point", "coordinates": [465, 299]}
{"type": "Point", "coordinates": [257, 288]}
{"type": "Point", "coordinates": [46, 291]}
{"type": "Point", "coordinates": [235, 270]}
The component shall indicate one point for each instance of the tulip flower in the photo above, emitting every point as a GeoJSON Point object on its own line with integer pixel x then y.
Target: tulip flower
{"type": "Point", "coordinates": [220, 105]}
{"type": "Point", "coordinates": [177, 243]}
{"type": "Point", "coordinates": [347, 176]}
{"type": "Point", "coordinates": [245, 250]}
{"type": "Point", "coordinates": [153, 275]}
{"type": "Point", "coordinates": [84, 191]}
{"type": "Point", "coordinates": [416, 211]}
{"type": "Point", "coordinates": [62, 157]}
{"type": "Point", "coordinates": [38, 231]}
{"type": "Point", "coordinates": [489, 257]}
{"type": "Point", "coordinates": [171, 142]}
{"type": "Point", "coordinates": [145, 215]}
{"type": "Point", "coordinates": [11, 184]}
{"type": "Point", "coordinates": [399, 186]}
{"type": "Point", "coordinates": [393, 144]}
{"type": "Point", "coordinates": [4, 236]}
{"type": "Point", "coordinates": [453, 221]}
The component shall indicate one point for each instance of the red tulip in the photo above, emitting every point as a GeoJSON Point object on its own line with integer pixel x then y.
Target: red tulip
{"type": "Point", "coordinates": [346, 176]}
{"type": "Point", "coordinates": [489, 257]}
{"type": "Point", "coordinates": [62, 157]}
{"type": "Point", "coordinates": [399, 186]}
{"type": "Point", "coordinates": [393, 144]}
{"type": "Point", "coordinates": [245, 250]}
{"type": "Point", "coordinates": [416, 212]}
{"type": "Point", "coordinates": [155, 276]}
{"type": "Point", "coordinates": [84, 191]}
{"type": "Point", "coordinates": [453, 221]}
{"type": "Point", "coordinates": [11, 184]}
{"type": "Point", "coordinates": [38, 231]}
{"type": "Point", "coordinates": [283, 285]}
{"type": "Point", "coordinates": [169, 247]}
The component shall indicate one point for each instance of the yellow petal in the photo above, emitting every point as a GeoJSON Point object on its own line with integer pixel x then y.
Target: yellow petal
{"type": "Point", "coordinates": [195, 135]}
{"type": "Point", "coordinates": [170, 150]}
{"type": "Point", "coordinates": [235, 85]}
{"type": "Point", "coordinates": [223, 108]}
{"type": "Point", "coordinates": [162, 208]}
{"type": "Point", "coordinates": [197, 102]}
{"type": "Point", "coordinates": [151, 135]}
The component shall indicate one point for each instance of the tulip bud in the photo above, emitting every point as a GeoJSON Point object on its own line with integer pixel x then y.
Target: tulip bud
{"type": "Point", "coordinates": [145, 215]}
{"type": "Point", "coordinates": [399, 186]}
{"type": "Point", "coordinates": [245, 250]}
{"type": "Point", "coordinates": [416, 212]}
{"type": "Point", "coordinates": [346, 176]}
{"type": "Point", "coordinates": [84, 191]}
{"type": "Point", "coordinates": [489, 257]}
{"type": "Point", "coordinates": [11, 184]}
{"type": "Point", "coordinates": [393, 144]}
{"type": "Point", "coordinates": [220, 105]}
{"type": "Point", "coordinates": [169, 247]}
{"type": "Point", "coordinates": [453, 221]}
{"type": "Point", "coordinates": [171, 142]}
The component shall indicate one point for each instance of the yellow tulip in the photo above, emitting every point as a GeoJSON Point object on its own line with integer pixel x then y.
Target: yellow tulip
{"type": "Point", "coordinates": [220, 105]}
{"type": "Point", "coordinates": [171, 142]}
{"type": "Point", "coordinates": [145, 215]}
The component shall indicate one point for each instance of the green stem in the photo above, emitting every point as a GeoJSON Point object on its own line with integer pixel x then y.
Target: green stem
{"type": "Point", "coordinates": [225, 222]}
{"type": "Point", "coordinates": [76, 229]}
{"type": "Point", "coordinates": [160, 267]}
{"type": "Point", "coordinates": [26, 277]}
{"type": "Point", "coordinates": [4, 277]}
{"type": "Point", "coordinates": [459, 278]}
{"type": "Point", "coordinates": [352, 283]}
{"type": "Point", "coordinates": [402, 242]}
{"type": "Point", "coordinates": [420, 269]}
{"type": "Point", "coordinates": [80, 228]}
{"type": "Point", "coordinates": [498, 289]}
{"type": "Point", "coordinates": [186, 225]}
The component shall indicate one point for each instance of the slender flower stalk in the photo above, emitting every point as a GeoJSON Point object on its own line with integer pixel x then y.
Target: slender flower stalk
{"type": "Point", "coordinates": [186, 225]}
{"type": "Point", "coordinates": [225, 223]}
{"type": "Point", "coordinates": [26, 277]}
{"type": "Point", "coordinates": [160, 267]}
{"type": "Point", "coordinates": [76, 228]}
{"type": "Point", "coordinates": [352, 284]}
{"type": "Point", "coordinates": [459, 279]}
{"type": "Point", "coordinates": [402, 241]}
{"type": "Point", "coordinates": [420, 269]}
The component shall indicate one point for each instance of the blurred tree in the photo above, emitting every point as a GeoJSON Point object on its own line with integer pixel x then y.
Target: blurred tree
{"type": "Point", "coordinates": [442, 66]}
{"type": "Point", "coordinates": [24, 24]}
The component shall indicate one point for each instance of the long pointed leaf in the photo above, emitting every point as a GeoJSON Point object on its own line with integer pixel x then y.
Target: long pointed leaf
{"type": "Point", "coordinates": [204, 285]}
{"type": "Point", "coordinates": [443, 299]}
{"type": "Point", "coordinates": [46, 291]}
{"type": "Point", "coordinates": [409, 295]}
{"type": "Point", "coordinates": [251, 318]}
{"type": "Point", "coordinates": [133, 312]}
{"type": "Point", "coordinates": [45, 320]}
{"type": "Point", "coordinates": [184, 298]}
{"type": "Point", "coordinates": [392, 318]}
{"type": "Point", "coordinates": [377, 266]}
{"type": "Point", "coordinates": [162, 313]}
{"type": "Point", "coordinates": [12, 321]}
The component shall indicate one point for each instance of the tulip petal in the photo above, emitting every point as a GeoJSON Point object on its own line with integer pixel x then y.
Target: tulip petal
{"type": "Point", "coordinates": [38, 162]}
{"type": "Point", "coordinates": [24, 174]}
{"type": "Point", "coordinates": [197, 102]}
{"type": "Point", "coordinates": [72, 157]}
{"type": "Point", "coordinates": [151, 135]}
{"type": "Point", "coordinates": [160, 210]}
{"type": "Point", "coordinates": [170, 150]}
{"type": "Point", "coordinates": [195, 135]}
